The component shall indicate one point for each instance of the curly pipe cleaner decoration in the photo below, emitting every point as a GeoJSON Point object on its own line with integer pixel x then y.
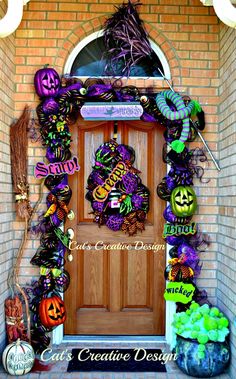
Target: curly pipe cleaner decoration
{"type": "Point", "coordinates": [183, 112]}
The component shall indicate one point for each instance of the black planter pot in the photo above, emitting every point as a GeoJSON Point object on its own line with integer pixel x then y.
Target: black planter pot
{"type": "Point", "coordinates": [217, 358]}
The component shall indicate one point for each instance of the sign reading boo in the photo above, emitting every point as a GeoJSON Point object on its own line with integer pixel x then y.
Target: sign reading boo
{"type": "Point", "coordinates": [179, 292]}
{"type": "Point", "coordinates": [42, 170]}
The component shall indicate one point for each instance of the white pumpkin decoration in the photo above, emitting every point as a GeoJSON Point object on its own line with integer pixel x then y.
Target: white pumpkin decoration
{"type": "Point", "coordinates": [18, 358]}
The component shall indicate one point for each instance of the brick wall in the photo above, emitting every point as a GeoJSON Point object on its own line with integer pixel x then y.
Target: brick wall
{"type": "Point", "coordinates": [7, 88]}
{"type": "Point", "coordinates": [227, 183]}
{"type": "Point", "coordinates": [188, 34]}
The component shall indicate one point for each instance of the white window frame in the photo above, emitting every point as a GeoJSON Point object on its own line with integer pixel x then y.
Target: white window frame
{"type": "Point", "coordinates": [95, 35]}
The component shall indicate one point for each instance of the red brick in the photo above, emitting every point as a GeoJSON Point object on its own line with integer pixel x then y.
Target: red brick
{"type": "Point", "coordinates": [72, 8]}
{"type": "Point", "coordinates": [44, 6]}
{"type": "Point", "coordinates": [101, 8]}
{"type": "Point", "coordinates": [174, 19]}
{"type": "Point", "coordinates": [61, 16]}
{"type": "Point", "coordinates": [194, 10]}
{"type": "Point", "coordinates": [41, 24]}
{"type": "Point", "coordinates": [160, 9]}
{"type": "Point", "coordinates": [206, 20]}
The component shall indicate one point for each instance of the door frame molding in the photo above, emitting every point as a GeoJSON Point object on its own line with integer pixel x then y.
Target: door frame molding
{"type": "Point", "coordinates": [58, 336]}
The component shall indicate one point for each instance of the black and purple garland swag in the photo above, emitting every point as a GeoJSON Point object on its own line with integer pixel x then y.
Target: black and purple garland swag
{"type": "Point", "coordinates": [59, 106]}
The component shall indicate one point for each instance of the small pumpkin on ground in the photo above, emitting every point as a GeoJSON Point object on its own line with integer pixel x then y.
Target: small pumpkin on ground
{"type": "Point", "coordinates": [18, 358]}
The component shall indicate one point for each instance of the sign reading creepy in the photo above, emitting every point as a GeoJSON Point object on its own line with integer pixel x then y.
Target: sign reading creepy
{"type": "Point", "coordinates": [101, 192]}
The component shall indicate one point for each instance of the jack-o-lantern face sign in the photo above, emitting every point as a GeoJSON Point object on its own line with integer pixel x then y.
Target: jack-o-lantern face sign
{"type": "Point", "coordinates": [52, 311]}
{"type": "Point", "coordinates": [46, 82]}
{"type": "Point", "coordinates": [183, 201]}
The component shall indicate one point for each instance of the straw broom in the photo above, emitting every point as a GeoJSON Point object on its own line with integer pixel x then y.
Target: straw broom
{"type": "Point", "coordinates": [19, 146]}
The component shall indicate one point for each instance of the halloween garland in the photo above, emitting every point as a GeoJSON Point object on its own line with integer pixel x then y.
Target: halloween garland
{"type": "Point", "coordinates": [179, 232]}
{"type": "Point", "coordinates": [118, 198]}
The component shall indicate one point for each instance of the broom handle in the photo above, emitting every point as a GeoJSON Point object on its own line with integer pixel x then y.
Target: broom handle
{"type": "Point", "coordinates": [16, 277]}
{"type": "Point", "coordinates": [16, 268]}
{"type": "Point", "coordinates": [195, 127]}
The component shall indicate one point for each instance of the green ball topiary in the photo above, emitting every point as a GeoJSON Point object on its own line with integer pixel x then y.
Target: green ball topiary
{"type": "Point", "coordinates": [201, 323]}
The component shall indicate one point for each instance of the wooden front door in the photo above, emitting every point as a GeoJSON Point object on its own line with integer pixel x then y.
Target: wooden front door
{"type": "Point", "coordinates": [117, 292]}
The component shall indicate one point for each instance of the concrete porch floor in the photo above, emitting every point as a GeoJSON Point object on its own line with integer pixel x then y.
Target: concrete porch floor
{"type": "Point", "coordinates": [59, 369]}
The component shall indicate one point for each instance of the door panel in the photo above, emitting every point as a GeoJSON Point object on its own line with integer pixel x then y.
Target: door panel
{"type": "Point", "coordinates": [116, 291]}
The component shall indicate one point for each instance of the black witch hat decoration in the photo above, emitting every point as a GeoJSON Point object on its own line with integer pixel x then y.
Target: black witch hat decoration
{"type": "Point", "coordinates": [126, 40]}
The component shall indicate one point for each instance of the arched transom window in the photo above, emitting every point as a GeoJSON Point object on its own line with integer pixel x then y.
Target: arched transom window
{"type": "Point", "coordinates": [87, 60]}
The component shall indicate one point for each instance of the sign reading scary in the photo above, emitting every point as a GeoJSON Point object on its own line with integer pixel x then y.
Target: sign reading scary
{"type": "Point", "coordinates": [179, 292]}
{"type": "Point", "coordinates": [42, 170]}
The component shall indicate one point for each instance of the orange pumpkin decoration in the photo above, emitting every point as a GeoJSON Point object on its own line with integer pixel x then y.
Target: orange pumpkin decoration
{"type": "Point", "coordinates": [52, 311]}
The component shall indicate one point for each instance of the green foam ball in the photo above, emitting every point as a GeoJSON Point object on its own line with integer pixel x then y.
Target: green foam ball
{"type": "Point", "coordinates": [184, 318]}
{"type": "Point", "coordinates": [177, 146]}
{"type": "Point", "coordinates": [194, 334]}
{"type": "Point", "coordinates": [196, 327]}
{"type": "Point", "coordinates": [194, 306]}
{"type": "Point", "coordinates": [201, 355]}
{"type": "Point", "coordinates": [213, 335]}
{"type": "Point", "coordinates": [201, 347]}
{"type": "Point", "coordinates": [223, 321]}
{"type": "Point", "coordinates": [204, 309]}
{"type": "Point", "coordinates": [214, 312]}
{"type": "Point", "coordinates": [202, 338]}
{"type": "Point", "coordinates": [196, 316]}
{"type": "Point", "coordinates": [210, 323]}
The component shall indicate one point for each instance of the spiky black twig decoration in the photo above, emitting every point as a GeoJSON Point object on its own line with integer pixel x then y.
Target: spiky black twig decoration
{"type": "Point", "coordinates": [125, 39]}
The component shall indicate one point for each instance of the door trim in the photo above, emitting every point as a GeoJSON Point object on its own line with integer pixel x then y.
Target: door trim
{"type": "Point", "coordinates": [58, 336]}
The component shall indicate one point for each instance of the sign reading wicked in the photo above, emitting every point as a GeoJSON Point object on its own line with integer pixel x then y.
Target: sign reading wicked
{"type": "Point", "coordinates": [101, 192]}
{"type": "Point", "coordinates": [42, 170]}
{"type": "Point", "coordinates": [177, 230]}
{"type": "Point", "coordinates": [106, 111]}
{"type": "Point", "coordinates": [179, 292]}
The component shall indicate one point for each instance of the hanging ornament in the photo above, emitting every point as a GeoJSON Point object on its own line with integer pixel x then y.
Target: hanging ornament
{"type": "Point", "coordinates": [183, 201]}
{"type": "Point", "coordinates": [52, 311]}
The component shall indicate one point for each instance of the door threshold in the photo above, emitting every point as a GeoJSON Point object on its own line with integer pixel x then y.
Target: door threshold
{"type": "Point", "coordinates": [101, 339]}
